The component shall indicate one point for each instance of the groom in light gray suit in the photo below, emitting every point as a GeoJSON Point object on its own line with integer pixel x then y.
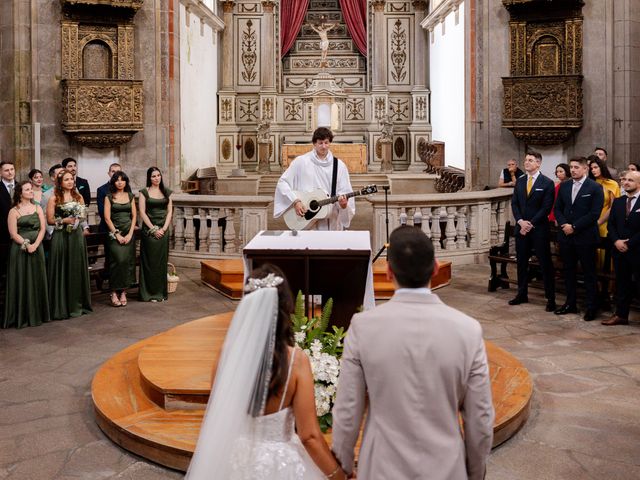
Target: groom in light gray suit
{"type": "Point", "coordinates": [420, 363]}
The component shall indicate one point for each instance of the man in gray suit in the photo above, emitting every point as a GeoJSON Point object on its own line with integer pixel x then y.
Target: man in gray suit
{"type": "Point", "coordinates": [420, 363]}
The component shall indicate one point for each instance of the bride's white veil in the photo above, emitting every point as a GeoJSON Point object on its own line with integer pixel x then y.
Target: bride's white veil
{"type": "Point", "coordinates": [241, 384]}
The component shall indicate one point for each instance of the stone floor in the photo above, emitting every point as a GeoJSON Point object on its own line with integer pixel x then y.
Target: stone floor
{"type": "Point", "coordinates": [584, 424]}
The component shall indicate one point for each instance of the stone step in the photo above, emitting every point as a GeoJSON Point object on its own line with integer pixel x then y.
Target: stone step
{"type": "Point", "coordinates": [324, 5]}
{"type": "Point", "coordinates": [298, 83]}
{"type": "Point", "coordinates": [339, 31]}
{"type": "Point", "coordinates": [331, 16]}
{"type": "Point", "coordinates": [312, 46]}
{"type": "Point", "coordinates": [309, 64]}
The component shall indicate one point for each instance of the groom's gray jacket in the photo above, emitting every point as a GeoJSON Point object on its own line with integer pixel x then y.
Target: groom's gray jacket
{"type": "Point", "coordinates": [420, 362]}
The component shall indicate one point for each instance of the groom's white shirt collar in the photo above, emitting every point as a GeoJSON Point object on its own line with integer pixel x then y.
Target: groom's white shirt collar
{"type": "Point", "coordinates": [421, 290]}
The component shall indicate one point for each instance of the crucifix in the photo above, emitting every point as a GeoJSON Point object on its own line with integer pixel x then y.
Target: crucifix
{"type": "Point", "coordinates": [322, 28]}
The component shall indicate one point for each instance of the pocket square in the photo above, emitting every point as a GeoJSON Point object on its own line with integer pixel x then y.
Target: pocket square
{"type": "Point", "coordinates": [539, 189]}
{"type": "Point", "coordinates": [586, 195]}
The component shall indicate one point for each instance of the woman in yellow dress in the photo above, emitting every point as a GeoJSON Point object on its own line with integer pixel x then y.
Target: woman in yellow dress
{"type": "Point", "coordinates": [600, 174]}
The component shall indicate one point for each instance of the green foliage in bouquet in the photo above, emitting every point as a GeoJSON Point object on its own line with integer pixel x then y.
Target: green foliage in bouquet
{"type": "Point", "coordinates": [324, 350]}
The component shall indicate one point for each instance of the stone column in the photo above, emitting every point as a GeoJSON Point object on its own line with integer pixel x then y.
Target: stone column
{"type": "Point", "coordinates": [227, 45]}
{"type": "Point", "coordinates": [379, 54]}
{"type": "Point", "coordinates": [22, 105]}
{"type": "Point", "coordinates": [419, 46]}
{"type": "Point", "coordinates": [267, 45]}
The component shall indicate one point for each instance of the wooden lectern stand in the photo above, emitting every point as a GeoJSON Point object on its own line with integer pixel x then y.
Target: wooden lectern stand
{"type": "Point", "coordinates": [330, 264]}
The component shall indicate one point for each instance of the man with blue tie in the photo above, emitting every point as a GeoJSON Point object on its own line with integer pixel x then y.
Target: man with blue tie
{"type": "Point", "coordinates": [577, 210]}
{"type": "Point", "coordinates": [624, 233]}
{"type": "Point", "coordinates": [531, 204]}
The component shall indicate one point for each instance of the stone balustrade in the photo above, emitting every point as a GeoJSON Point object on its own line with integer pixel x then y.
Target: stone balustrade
{"type": "Point", "coordinates": [465, 223]}
{"type": "Point", "coordinates": [215, 226]}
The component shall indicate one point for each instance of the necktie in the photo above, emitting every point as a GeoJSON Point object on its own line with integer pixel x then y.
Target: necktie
{"type": "Point", "coordinates": [574, 191]}
{"type": "Point", "coordinates": [10, 187]}
{"type": "Point", "coordinates": [629, 200]}
{"type": "Point", "coordinates": [529, 185]}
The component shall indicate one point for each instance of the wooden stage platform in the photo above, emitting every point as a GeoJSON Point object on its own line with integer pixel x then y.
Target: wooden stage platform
{"type": "Point", "coordinates": [150, 397]}
{"type": "Point", "coordinates": [226, 276]}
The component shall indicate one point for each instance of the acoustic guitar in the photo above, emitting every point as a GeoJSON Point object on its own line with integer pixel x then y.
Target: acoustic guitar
{"type": "Point", "coordinates": [318, 204]}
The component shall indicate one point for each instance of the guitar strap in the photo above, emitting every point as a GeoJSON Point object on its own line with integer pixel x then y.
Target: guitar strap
{"type": "Point", "coordinates": [334, 176]}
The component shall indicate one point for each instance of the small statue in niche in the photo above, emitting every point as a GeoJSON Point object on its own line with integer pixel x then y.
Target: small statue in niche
{"type": "Point", "coordinates": [322, 28]}
{"type": "Point", "coordinates": [264, 130]}
{"type": "Point", "coordinates": [264, 144]}
{"type": "Point", "coordinates": [386, 128]}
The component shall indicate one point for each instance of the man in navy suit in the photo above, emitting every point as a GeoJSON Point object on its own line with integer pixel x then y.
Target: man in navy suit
{"type": "Point", "coordinates": [624, 233]}
{"type": "Point", "coordinates": [82, 185]}
{"type": "Point", "coordinates": [577, 210]}
{"type": "Point", "coordinates": [102, 192]}
{"type": "Point", "coordinates": [531, 204]}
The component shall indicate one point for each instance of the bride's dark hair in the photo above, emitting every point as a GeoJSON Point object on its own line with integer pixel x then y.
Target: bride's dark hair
{"type": "Point", "coordinates": [284, 334]}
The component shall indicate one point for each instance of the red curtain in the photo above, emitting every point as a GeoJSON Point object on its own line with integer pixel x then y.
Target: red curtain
{"type": "Point", "coordinates": [355, 14]}
{"type": "Point", "coordinates": [292, 14]}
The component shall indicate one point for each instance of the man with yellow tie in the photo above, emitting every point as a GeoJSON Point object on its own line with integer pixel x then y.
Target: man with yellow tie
{"type": "Point", "coordinates": [531, 203]}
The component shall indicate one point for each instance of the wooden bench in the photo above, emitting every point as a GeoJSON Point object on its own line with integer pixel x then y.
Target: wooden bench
{"type": "Point", "coordinates": [501, 255]}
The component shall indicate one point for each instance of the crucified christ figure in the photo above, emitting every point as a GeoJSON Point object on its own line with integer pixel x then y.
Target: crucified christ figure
{"type": "Point", "coordinates": [322, 28]}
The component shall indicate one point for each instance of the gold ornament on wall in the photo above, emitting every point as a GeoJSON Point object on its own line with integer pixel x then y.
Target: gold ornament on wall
{"type": "Point", "coordinates": [226, 149]}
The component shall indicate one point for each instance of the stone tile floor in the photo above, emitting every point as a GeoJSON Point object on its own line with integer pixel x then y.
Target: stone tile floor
{"type": "Point", "coordinates": [584, 422]}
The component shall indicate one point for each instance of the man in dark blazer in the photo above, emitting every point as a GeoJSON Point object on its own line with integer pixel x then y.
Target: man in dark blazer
{"type": "Point", "coordinates": [577, 210]}
{"type": "Point", "coordinates": [531, 204]}
{"type": "Point", "coordinates": [102, 192]}
{"type": "Point", "coordinates": [624, 233]}
{"type": "Point", "coordinates": [82, 185]}
{"type": "Point", "coordinates": [7, 185]}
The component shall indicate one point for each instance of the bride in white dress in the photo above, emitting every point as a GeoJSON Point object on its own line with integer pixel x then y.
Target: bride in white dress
{"type": "Point", "coordinates": [260, 423]}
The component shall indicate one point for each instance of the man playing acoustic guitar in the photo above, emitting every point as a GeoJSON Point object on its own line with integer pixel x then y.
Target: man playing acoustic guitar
{"type": "Point", "coordinates": [318, 169]}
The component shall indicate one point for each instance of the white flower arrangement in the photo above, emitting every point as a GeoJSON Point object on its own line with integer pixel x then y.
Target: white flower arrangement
{"type": "Point", "coordinates": [71, 209]}
{"type": "Point", "coordinates": [324, 350]}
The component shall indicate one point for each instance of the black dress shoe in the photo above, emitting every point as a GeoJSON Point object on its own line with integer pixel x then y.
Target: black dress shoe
{"type": "Point", "coordinates": [551, 306]}
{"type": "Point", "coordinates": [518, 300]}
{"type": "Point", "coordinates": [589, 315]}
{"type": "Point", "coordinates": [564, 309]}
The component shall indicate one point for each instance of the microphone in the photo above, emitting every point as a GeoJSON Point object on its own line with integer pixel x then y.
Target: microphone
{"type": "Point", "coordinates": [417, 219]}
{"type": "Point", "coordinates": [403, 219]}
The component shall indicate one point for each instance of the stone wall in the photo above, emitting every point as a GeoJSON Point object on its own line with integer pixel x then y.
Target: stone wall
{"type": "Point", "coordinates": [32, 69]}
{"type": "Point", "coordinates": [611, 88]}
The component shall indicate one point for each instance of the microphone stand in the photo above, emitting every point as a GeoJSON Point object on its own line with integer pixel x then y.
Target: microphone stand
{"type": "Point", "coordinates": [386, 222]}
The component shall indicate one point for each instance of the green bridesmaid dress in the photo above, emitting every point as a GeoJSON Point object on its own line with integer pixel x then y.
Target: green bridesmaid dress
{"type": "Point", "coordinates": [69, 292]}
{"type": "Point", "coordinates": [154, 252]}
{"type": "Point", "coordinates": [122, 258]}
{"type": "Point", "coordinates": [27, 304]}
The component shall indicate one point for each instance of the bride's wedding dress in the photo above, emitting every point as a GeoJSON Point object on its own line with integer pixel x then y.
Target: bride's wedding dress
{"type": "Point", "coordinates": [278, 454]}
{"type": "Point", "coordinates": [238, 442]}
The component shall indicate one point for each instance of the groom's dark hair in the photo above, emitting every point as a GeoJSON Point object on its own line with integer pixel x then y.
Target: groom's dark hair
{"type": "Point", "coordinates": [411, 257]}
{"type": "Point", "coordinates": [322, 133]}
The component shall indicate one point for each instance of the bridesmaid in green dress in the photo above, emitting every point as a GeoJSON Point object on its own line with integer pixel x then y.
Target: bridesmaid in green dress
{"type": "Point", "coordinates": [156, 210]}
{"type": "Point", "coordinates": [27, 303]}
{"type": "Point", "coordinates": [120, 217]}
{"type": "Point", "coordinates": [69, 293]}
{"type": "Point", "coordinates": [37, 181]}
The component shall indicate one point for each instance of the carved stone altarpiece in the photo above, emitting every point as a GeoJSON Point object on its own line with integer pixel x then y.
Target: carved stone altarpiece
{"type": "Point", "coordinates": [102, 103]}
{"type": "Point", "coordinates": [543, 95]}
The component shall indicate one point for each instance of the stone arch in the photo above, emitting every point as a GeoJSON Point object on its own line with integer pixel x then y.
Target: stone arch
{"type": "Point", "coordinates": [97, 57]}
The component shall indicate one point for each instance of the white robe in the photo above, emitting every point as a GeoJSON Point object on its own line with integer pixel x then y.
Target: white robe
{"type": "Point", "coordinates": [307, 173]}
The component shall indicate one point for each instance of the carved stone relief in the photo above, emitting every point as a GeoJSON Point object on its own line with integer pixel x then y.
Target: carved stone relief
{"type": "Point", "coordinates": [248, 110]}
{"type": "Point", "coordinates": [379, 106]}
{"type": "Point", "coordinates": [399, 53]}
{"type": "Point", "coordinates": [420, 108]}
{"type": "Point", "coordinates": [292, 109]}
{"type": "Point", "coordinates": [400, 109]}
{"type": "Point", "coordinates": [226, 109]}
{"type": "Point", "coordinates": [249, 61]}
{"type": "Point", "coordinates": [355, 109]}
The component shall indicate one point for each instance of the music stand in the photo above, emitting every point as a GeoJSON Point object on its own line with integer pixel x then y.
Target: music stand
{"type": "Point", "coordinates": [386, 222]}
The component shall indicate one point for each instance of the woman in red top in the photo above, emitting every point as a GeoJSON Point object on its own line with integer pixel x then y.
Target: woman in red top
{"type": "Point", "coordinates": [562, 173]}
